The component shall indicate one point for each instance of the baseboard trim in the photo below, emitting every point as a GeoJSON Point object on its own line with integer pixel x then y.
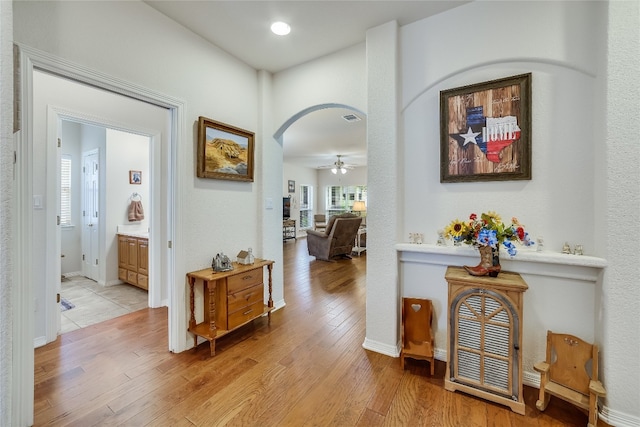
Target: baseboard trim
{"type": "Point", "coordinates": [72, 274]}
{"type": "Point", "coordinates": [279, 304]}
{"type": "Point", "coordinates": [378, 347]}
{"type": "Point", "coordinates": [619, 419]}
{"type": "Point", "coordinates": [39, 342]}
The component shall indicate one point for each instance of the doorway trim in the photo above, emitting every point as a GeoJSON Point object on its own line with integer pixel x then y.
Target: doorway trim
{"type": "Point", "coordinates": [23, 320]}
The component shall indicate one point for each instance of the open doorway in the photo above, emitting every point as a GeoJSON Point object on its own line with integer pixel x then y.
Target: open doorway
{"type": "Point", "coordinates": [107, 130]}
{"type": "Point", "coordinates": [95, 188]}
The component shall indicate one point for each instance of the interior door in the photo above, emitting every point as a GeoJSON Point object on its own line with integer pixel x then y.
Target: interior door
{"type": "Point", "coordinates": [90, 209]}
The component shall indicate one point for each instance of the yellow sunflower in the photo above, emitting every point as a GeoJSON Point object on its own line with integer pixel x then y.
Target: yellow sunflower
{"type": "Point", "coordinates": [494, 217]}
{"type": "Point", "coordinates": [456, 229]}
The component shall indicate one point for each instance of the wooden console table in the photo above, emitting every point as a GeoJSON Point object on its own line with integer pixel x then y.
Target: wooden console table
{"type": "Point", "coordinates": [484, 351]}
{"type": "Point", "coordinates": [231, 299]}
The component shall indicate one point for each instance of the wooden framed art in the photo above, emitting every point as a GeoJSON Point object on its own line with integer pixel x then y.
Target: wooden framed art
{"type": "Point", "coordinates": [224, 151]}
{"type": "Point", "coordinates": [485, 131]}
{"type": "Point", "coordinates": [135, 177]}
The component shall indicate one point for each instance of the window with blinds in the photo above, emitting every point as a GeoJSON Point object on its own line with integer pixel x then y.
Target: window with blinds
{"type": "Point", "coordinates": [65, 190]}
{"type": "Point", "coordinates": [306, 206]}
{"type": "Point", "coordinates": [340, 199]}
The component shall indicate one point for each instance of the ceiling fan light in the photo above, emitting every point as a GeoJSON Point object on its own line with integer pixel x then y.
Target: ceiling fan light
{"type": "Point", "coordinates": [343, 170]}
{"type": "Point", "coordinates": [334, 171]}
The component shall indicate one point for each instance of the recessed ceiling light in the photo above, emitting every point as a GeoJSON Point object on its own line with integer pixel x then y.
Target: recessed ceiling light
{"type": "Point", "coordinates": [280, 28]}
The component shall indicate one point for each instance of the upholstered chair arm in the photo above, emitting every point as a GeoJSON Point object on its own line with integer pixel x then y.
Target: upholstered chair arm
{"type": "Point", "coordinates": [318, 245]}
{"type": "Point", "coordinates": [316, 233]}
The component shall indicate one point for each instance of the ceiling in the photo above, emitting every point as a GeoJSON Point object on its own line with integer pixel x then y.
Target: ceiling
{"type": "Point", "coordinates": [318, 28]}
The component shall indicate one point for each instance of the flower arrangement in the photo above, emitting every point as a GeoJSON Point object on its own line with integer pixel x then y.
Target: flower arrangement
{"type": "Point", "coordinates": [488, 230]}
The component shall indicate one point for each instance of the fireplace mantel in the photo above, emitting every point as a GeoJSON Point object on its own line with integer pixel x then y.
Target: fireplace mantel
{"type": "Point", "coordinates": [527, 260]}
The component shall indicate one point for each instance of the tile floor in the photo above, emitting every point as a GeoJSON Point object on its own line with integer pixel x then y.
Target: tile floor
{"type": "Point", "coordinates": [95, 303]}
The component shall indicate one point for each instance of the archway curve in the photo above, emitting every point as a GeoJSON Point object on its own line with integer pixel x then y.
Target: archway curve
{"type": "Point", "coordinates": [281, 130]}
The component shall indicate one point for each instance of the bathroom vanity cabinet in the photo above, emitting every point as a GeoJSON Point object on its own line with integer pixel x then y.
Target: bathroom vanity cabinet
{"type": "Point", "coordinates": [133, 260]}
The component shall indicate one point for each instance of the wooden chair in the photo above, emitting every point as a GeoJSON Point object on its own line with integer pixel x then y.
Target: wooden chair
{"type": "Point", "coordinates": [417, 338]}
{"type": "Point", "coordinates": [570, 372]}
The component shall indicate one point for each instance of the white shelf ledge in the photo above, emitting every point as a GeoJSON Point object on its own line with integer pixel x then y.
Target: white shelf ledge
{"type": "Point", "coordinates": [527, 261]}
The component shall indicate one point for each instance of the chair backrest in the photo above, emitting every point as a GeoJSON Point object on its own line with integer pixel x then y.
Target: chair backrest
{"type": "Point", "coordinates": [319, 218]}
{"type": "Point", "coordinates": [343, 230]}
{"type": "Point", "coordinates": [417, 315]}
{"type": "Point", "coordinates": [572, 361]}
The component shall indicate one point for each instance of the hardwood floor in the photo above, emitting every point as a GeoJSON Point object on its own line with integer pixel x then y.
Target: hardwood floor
{"type": "Point", "coordinates": [307, 368]}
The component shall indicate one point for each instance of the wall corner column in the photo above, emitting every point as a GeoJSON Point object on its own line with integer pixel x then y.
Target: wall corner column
{"type": "Point", "coordinates": [382, 308]}
{"type": "Point", "coordinates": [268, 181]}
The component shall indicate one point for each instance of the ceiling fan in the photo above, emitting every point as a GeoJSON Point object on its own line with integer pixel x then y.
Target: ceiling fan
{"type": "Point", "coordinates": [338, 166]}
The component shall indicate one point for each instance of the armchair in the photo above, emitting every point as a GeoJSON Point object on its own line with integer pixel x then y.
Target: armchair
{"type": "Point", "coordinates": [337, 239]}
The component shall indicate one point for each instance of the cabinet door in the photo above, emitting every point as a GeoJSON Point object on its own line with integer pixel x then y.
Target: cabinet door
{"type": "Point", "coordinates": [143, 256]}
{"type": "Point", "coordinates": [132, 256]}
{"type": "Point", "coordinates": [123, 252]}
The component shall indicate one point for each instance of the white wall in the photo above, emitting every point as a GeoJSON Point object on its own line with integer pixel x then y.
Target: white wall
{"type": "Point", "coordinates": [9, 330]}
{"type": "Point", "coordinates": [336, 78]}
{"type": "Point", "coordinates": [561, 44]}
{"type": "Point", "coordinates": [124, 152]}
{"type": "Point", "coordinates": [618, 207]}
{"type": "Point", "coordinates": [71, 236]}
{"type": "Point", "coordinates": [187, 68]}
{"type": "Point", "coordinates": [563, 117]}
{"type": "Point", "coordinates": [150, 50]}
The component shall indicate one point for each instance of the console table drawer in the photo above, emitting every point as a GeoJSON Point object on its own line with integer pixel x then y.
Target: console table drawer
{"type": "Point", "coordinates": [243, 316]}
{"type": "Point", "coordinates": [244, 298]}
{"type": "Point", "coordinates": [244, 280]}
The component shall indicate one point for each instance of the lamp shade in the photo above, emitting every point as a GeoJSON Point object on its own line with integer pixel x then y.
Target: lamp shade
{"type": "Point", "coordinates": [359, 206]}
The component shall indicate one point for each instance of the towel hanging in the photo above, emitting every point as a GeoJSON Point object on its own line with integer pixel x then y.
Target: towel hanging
{"type": "Point", "coordinates": [136, 212]}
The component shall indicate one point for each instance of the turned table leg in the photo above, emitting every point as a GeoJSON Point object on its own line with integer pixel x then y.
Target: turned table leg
{"type": "Point", "coordinates": [192, 320]}
{"type": "Point", "coordinates": [270, 302]}
{"type": "Point", "coordinates": [211, 286]}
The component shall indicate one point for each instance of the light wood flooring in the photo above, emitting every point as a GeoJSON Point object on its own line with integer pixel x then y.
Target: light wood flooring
{"type": "Point", "coordinates": [307, 368]}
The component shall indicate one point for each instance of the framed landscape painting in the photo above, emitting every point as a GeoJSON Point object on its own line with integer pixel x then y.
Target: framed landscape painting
{"type": "Point", "coordinates": [224, 151]}
{"type": "Point", "coordinates": [485, 131]}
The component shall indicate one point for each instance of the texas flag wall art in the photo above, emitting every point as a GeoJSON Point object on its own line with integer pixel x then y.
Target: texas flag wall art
{"type": "Point", "coordinates": [485, 131]}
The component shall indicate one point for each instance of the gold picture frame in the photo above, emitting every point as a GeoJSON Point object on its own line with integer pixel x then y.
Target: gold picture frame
{"type": "Point", "coordinates": [485, 131]}
{"type": "Point", "coordinates": [224, 151]}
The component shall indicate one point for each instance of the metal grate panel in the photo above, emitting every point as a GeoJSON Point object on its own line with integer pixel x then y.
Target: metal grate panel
{"type": "Point", "coordinates": [496, 339]}
{"type": "Point", "coordinates": [469, 334]}
{"type": "Point", "coordinates": [469, 365]}
{"type": "Point", "coordinates": [496, 373]}
{"type": "Point", "coordinates": [491, 306]}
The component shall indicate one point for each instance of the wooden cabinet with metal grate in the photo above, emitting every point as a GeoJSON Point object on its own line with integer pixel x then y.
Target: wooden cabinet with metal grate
{"type": "Point", "coordinates": [484, 356]}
